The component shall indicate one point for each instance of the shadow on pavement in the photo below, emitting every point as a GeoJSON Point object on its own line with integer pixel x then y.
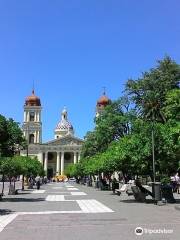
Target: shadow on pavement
{"type": "Point", "coordinates": [148, 201]}
{"type": "Point", "coordinates": [5, 211]}
{"type": "Point", "coordinates": [22, 193]}
{"type": "Point", "coordinates": [22, 199]}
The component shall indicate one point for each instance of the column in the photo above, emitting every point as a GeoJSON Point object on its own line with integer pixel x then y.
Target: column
{"type": "Point", "coordinates": [38, 116]}
{"type": "Point", "coordinates": [41, 158]}
{"type": "Point", "coordinates": [75, 157]}
{"type": "Point", "coordinates": [58, 164]}
{"type": "Point", "coordinates": [62, 163]}
{"type": "Point", "coordinates": [28, 118]}
{"type": "Point", "coordinates": [24, 116]}
{"type": "Point", "coordinates": [79, 156]}
{"type": "Point", "coordinates": [40, 138]}
{"type": "Point", "coordinates": [37, 136]}
{"type": "Point", "coordinates": [46, 162]}
{"type": "Point", "coordinates": [35, 116]}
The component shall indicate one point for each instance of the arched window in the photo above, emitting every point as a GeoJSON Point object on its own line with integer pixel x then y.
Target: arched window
{"type": "Point", "coordinates": [31, 116]}
{"type": "Point", "coordinates": [31, 138]}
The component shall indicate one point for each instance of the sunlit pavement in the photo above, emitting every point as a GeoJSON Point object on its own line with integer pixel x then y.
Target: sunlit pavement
{"type": "Point", "coordinates": [73, 211]}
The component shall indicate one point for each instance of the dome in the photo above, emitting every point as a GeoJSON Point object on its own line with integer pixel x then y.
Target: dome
{"type": "Point", "coordinates": [33, 100]}
{"type": "Point", "coordinates": [103, 100]}
{"type": "Point", "coordinates": [64, 127]}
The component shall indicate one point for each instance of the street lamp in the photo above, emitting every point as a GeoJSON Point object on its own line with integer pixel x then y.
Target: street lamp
{"type": "Point", "coordinates": [151, 116]}
{"type": "Point", "coordinates": [153, 155]}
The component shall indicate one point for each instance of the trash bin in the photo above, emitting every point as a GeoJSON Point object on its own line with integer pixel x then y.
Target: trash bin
{"type": "Point", "coordinates": [156, 191]}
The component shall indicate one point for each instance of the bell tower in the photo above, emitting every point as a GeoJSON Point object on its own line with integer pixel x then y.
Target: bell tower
{"type": "Point", "coordinates": [32, 125]}
{"type": "Point", "coordinates": [102, 102]}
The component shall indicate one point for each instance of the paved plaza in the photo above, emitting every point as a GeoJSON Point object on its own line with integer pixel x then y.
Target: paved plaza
{"type": "Point", "coordinates": [76, 212]}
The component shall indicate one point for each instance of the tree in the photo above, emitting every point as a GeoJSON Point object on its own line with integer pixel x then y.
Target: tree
{"type": "Point", "coordinates": [122, 139]}
{"type": "Point", "coordinates": [149, 92]}
{"type": "Point", "coordinates": [3, 132]}
{"type": "Point", "coordinates": [11, 167]}
{"type": "Point", "coordinates": [11, 137]}
{"type": "Point", "coordinates": [90, 145]}
{"type": "Point", "coordinates": [111, 125]}
{"type": "Point", "coordinates": [171, 107]}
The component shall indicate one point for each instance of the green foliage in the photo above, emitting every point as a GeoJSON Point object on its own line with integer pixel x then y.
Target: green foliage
{"type": "Point", "coordinates": [122, 138]}
{"type": "Point", "coordinates": [11, 137]}
{"type": "Point", "coordinates": [74, 170]}
{"type": "Point", "coordinates": [70, 170]}
{"type": "Point", "coordinates": [90, 146]}
{"type": "Point", "coordinates": [149, 92]}
{"type": "Point", "coordinates": [3, 130]}
{"type": "Point", "coordinates": [20, 165]}
{"type": "Point", "coordinates": [172, 105]}
{"type": "Point", "coordinates": [111, 125]}
{"type": "Point", "coordinates": [165, 180]}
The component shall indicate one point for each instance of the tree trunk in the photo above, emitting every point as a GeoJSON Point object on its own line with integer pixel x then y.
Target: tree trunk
{"type": "Point", "coordinates": [11, 188]}
{"type": "Point", "coordinates": [14, 184]}
{"type": "Point", "coordinates": [23, 183]}
{"type": "Point", "coordinates": [2, 193]}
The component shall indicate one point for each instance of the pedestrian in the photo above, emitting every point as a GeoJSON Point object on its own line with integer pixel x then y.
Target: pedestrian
{"type": "Point", "coordinates": [45, 179]}
{"type": "Point", "coordinates": [37, 179]}
{"type": "Point", "coordinates": [30, 183]}
{"type": "Point", "coordinates": [177, 178]}
{"type": "Point", "coordinates": [114, 182]}
{"type": "Point", "coordinates": [173, 182]}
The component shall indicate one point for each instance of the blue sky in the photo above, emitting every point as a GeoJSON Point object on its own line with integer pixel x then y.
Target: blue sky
{"type": "Point", "coordinates": [72, 48]}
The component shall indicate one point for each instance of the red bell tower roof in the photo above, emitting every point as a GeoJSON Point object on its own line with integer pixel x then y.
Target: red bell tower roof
{"type": "Point", "coordinates": [32, 100]}
{"type": "Point", "coordinates": [103, 100]}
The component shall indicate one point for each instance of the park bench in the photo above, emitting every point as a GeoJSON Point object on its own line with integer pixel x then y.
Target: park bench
{"type": "Point", "coordinates": [129, 192]}
{"type": "Point", "coordinates": [122, 189]}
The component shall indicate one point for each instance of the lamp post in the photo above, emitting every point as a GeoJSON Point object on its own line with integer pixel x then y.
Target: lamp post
{"type": "Point", "coordinates": [151, 116]}
{"type": "Point", "coordinates": [153, 155]}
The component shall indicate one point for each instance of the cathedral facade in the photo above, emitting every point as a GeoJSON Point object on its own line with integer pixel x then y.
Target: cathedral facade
{"type": "Point", "coordinates": [57, 154]}
{"type": "Point", "coordinates": [64, 149]}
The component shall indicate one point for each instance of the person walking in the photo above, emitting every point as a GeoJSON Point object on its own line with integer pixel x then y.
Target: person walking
{"type": "Point", "coordinates": [177, 178]}
{"type": "Point", "coordinates": [37, 179]}
{"type": "Point", "coordinates": [114, 183]}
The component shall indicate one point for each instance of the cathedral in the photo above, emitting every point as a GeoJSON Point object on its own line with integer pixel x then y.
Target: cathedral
{"type": "Point", "coordinates": [64, 149]}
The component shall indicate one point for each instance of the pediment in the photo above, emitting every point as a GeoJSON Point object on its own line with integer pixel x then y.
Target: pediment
{"type": "Point", "coordinates": [67, 140]}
